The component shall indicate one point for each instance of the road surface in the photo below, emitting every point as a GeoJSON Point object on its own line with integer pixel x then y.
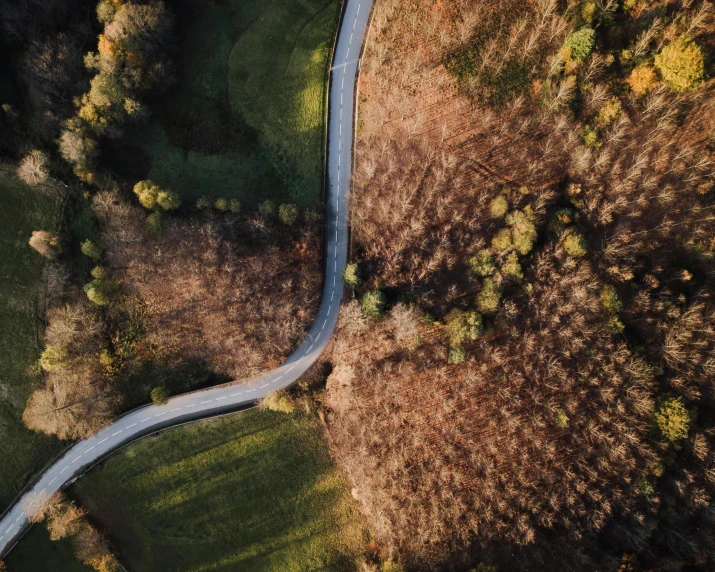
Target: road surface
{"type": "Point", "coordinates": [223, 399]}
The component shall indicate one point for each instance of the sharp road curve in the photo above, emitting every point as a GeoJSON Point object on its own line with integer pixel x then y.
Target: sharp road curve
{"type": "Point", "coordinates": [223, 399]}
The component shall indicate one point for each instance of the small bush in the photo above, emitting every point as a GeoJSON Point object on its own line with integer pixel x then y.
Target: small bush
{"type": "Point", "coordinates": [288, 214]}
{"type": "Point", "coordinates": [580, 43]}
{"type": "Point", "coordinates": [681, 65]}
{"type": "Point", "coordinates": [351, 275]}
{"type": "Point", "coordinates": [589, 136]}
{"type": "Point", "coordinates": [278, 401]}
{"type": "Point", "coordinates": [609, 112]}
{"type": "Point", "coordinates": [155, 223]}
{"type": "Point", "coordinates": [501, 241]}
{"type": "Point", "coordinates": [152, 196]}
{"type": "Point", "coordinates": [99, 291]}
{"type": "Point", "coordinates": [610, 300]}
{"type": "Point", "coordinates": [391, 566]}
{"type": "Point", "coordinates": [489, 297]}
{"type": "Point", "coordinates": [53, 358]}
{"type": "Point", "coordinates": [203, 203]}
{"type": "Point", "coordinates": [267, 209]}
{"type": "Point", "coordinates": [373, 303]}
{"type": "Point", "coordinates": [46, 243]}
{"type": "Point", "coordinates": [483, 263]}
{"type": "Point", "coordinates": [672, 418]}
{"type": "Point", "coordinates": [562, 420]}
{"type": "Point", "coordinates": [168, 200]}
{"type": "Point", "coordinates": [463, 326]}
{"type": "Point", "coordinates": [91, 250]}
{"type": "Point", "coordinates": [523, 231]}
{"type": "Point", "coordinates": [221, 205]}
{"type": "Point", "coordinates": [234, 205]}
{"type": "Point", "coordinates": [159, 396]}
{"type": "Point", "coordinates": [575, 244]}
{"type": "Point", "coordinates": [511, 266]}
{"type": "Point", "coordinates": [645, 487]}
{"type": "Point", "coordinates": [457, 356]}
{"type": "Point", "coordinates": [98, 272]}
{"type": "Point", "coordinates": [499, 206]}
{"type": "Point", "coordinates": [642, 79]}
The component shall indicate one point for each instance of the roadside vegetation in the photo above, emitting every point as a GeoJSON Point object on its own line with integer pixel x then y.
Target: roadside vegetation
{"type": "Point", "coordinates": [532, 203]}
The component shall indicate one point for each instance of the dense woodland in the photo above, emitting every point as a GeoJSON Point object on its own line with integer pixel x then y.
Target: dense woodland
{"type": "Point", "coordinates": [528, 380]}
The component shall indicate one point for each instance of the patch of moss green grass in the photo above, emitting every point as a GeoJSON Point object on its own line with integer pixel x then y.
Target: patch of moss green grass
{"type": "Point", "coordinates": [22, 210]}
{"type": "Point", "coordinates": [255, 491]}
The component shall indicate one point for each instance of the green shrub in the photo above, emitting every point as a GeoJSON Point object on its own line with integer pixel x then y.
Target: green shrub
{"type": "Point", "coordinates": [501, 241]}
{"type": "Point", "coordinates": [610, 300]}
{"type": "Point", "coordinates": [53, 358]}
{"type": "Point", "coordinates": [609, 112]}
{"type": "Point", "coordinates": [523, 231]}
{"type": "Point", "coordinates": [511, 266]}
{"type": "Point", "coordinates": [499, 206]}
{"type": "Point", "coordinates": [152, 196]}
{"type": "Point", "coordinates": [580, 43]}
{"type": "Point", "coordinates": [562, 420]}
{"type": "Point", "coordinates": [106, 358]}
{"type": "Point", "coordinates": [221, 205]}
{"type": "Point", "coordinates": [98, 272]}
{"type": "Point", "coordinates": [99, 291]}
{"type": "Point", "coordinates": [288, 214]}
{"type": "Point", "coordinates": [91, 250]}
{"type": "Point", "coordinates": [267, 209]}
{"type": "Point", "coordinates": [155, 223]}
{"type": "Point", "coordinates": [373, 303]}
{"type": "Point", "coordinates": [575, 244]}
{"type": "Point", "coordinates": [489, 297]}
{"type": "Point", "coordinates": [159, 396]}
{"type": "Point", "coordinates": [351, 275]}
{"type": "Point", "coordinates": [234, 205]}
{"type": "Point", "coordinates": [483, 263]}
{"type": "Point", "coordinates": [645, 487]}
{"type": "Point", "coordinates": [463, 326]}
{"type": "Point", "coordinates": [589, 136]}
{"type": "Point", "coordinates": [278, 401]}
{"type": "Point", "coordinates": [672, 418]}
{"type": "Point", "coordinates": [457, 356]}
{"type": "Point", "coordinates": [203, 203]}
{"type": "Point", "coordinates": [681, 65]}
{"type": "Point", "coordinates": [168, 200]}
{"type": "Point", "coordinates": [559, 219]}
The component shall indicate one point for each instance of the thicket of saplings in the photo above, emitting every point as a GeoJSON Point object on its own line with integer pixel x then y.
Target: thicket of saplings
{"type": "Point", "coordinates": [164, 297]}
{"type": "Point", "coordinates": [528, 379]}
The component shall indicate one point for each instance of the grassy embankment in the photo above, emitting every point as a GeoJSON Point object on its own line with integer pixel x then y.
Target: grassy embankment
{"type": "Point", "coordinates": [246, 119]}
{"type": "Point", "coordinates": [22, 210]}
{"type": "Point", "coordinates": [254, 491]}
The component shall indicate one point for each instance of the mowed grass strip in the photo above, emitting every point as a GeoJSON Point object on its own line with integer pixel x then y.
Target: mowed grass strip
{"type": "Point", "coordinates": [246, 120]}
{"type": "Point", "coordinates": [22, 210]}
{"type": "Point", "coordinates": [253, 491]}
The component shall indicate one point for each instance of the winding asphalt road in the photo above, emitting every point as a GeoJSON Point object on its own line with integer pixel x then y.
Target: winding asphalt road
{"type": "Point", "coordinates": [223, 399]}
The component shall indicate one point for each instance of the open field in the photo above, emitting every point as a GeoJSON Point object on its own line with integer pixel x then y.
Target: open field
{"type": "Point", "coordinates": [22, 210]}
{"type": "Point", "coordinates": [246, 119]}
{"type": "Point", "coordinates": [255, 491]}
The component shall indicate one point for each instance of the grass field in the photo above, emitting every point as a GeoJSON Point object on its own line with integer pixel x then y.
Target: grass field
{"type": "Point", "coordinates": [22, 210]}
{"type": "Point", "coordinates": [253, 491]}
{"type": "Point", "coordinates": [247, 117]}
{"type": "Point", "coordinates": [37, 553]}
